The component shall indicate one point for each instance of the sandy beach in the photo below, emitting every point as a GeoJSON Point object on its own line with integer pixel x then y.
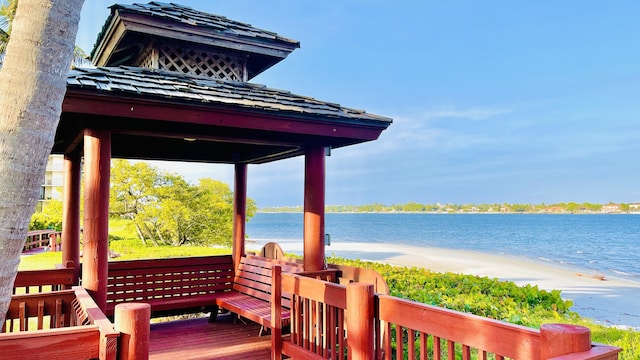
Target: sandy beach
{"type": "Point", "coordinates": [613, 301]}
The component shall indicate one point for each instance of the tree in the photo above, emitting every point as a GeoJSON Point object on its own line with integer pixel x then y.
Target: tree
{"type": "Point", "coordinates": [32, 87]}
{"type": "Point", "coordinates": [7, 14]}
{"type": "Point", "coordinates": [166, 209]}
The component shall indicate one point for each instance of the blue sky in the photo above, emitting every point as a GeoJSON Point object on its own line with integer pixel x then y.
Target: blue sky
{"type": "Point", "coordinates": [492, 101]}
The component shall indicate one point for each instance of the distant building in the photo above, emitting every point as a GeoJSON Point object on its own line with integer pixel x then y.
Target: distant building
{"type": "Point", "coordinates": [53, 180]}
{"type": "Point", "coordinates": [610, 208]}
{"type": "Point", "coordinates": [555, 209]}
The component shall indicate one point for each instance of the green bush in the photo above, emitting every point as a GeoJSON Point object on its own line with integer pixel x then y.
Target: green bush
{"type": "Point", "coordinates": [502, 300]}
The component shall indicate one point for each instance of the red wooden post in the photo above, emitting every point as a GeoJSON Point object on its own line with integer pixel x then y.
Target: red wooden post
{"type": "Point", "coordinates": [71, 214]}
{"type": "Point", "coordinates": [563, 339]}
{"type": "Point", "coordinates": [132, 321]}
{"type": "Point", "coordinates": [239, 212]}
{"type": "Point", "coordinates": [359, 316]}
{"type": "Point", "coordinates": [97, 158]}
{"type": "Point", "coordinates": [276, 312]}
{"type": "Point", "coordinates": [52, 242]}
{"type": "Point", "coordinates": [314, 191]}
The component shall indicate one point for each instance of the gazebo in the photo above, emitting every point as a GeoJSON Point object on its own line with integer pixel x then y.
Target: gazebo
{"type": "Point", "coordinates": [171, 83]}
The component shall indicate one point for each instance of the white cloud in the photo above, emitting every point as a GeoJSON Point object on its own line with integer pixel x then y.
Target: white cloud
{"type": "Point", "coordinates": [469, 114]}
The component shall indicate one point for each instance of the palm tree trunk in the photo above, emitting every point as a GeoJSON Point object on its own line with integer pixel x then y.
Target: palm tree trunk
{"type": "Point", "coordinates": [32, 87]}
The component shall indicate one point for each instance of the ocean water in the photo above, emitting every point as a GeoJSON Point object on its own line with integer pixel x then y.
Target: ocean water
{"type": "Point", "coordinates": [601, 244]}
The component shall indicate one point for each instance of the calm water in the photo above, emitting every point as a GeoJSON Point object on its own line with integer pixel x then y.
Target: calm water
{"type": "Point", "coordinates": [608, 244]}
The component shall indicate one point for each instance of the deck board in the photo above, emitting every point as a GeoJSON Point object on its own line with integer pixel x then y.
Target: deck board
{"type": "Point", "coordinates": [197, 339]}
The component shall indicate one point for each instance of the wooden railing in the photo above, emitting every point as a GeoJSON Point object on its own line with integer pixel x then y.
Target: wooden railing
{"type": "Point", "coordinates": [37, 281]}
{"type": "Point", "coordinates": [64, 324]}
{"type": "Point", "coordinates": [170, 286]}
{"type": "Point", "coordinates": [385, 327]}
{"type": "Point", "coordinates": [317, 317]}
{"type": "Point", "coordinates": [50, 239]}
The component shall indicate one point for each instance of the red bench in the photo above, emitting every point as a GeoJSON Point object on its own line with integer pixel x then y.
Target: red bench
{"type": "Point", "coordinates": [250, 296]}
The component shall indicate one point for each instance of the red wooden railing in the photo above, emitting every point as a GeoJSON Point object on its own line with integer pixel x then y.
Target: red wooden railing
{"type": "Point", "coordinates": [50, 239]}
{"type": "Point", "coordinates": [385, 327]}
{"type": "Point", "coordinates": [64, 324]}
{"type": "Point", "coordinates": [37, 281]}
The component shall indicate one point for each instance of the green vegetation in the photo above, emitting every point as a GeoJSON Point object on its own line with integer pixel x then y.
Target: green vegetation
{"type": "Point", "coordinates": [501, 300]}
{"type": "Point", "coordinates": [49, 218]}
{"type": "Point", "coordinates": [413, 207]}
{"type": "Point", "coordinates": [166, 210]}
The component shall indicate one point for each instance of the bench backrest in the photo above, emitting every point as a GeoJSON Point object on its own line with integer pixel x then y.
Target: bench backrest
{"type": "Point", "coordinates": [253, 277]}
{"type": "Point", "coordinates": [146, 280]}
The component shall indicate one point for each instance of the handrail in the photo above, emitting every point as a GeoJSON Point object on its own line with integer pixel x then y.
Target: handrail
{"type": "Point", "coordinates": [28, 281]}
{"type": "Point", "coordinates": [67, 324]}
{"type": "Point", "coordinates": [415, 319]}
{"type": "Point", "coordinates": [320, 309]}
{"type": "Point", "coordinates": [95, 316]}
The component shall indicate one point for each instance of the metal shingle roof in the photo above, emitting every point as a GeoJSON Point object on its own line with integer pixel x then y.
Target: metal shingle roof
{"type": "Point", "coordinates": [181, 87]}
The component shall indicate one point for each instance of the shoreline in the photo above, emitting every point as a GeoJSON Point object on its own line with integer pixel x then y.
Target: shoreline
{"type": "Point", "coordinates": [613, 301]}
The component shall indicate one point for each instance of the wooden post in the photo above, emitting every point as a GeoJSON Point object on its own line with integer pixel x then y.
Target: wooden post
{"type": "Point", "coordinates": [314, 192]}
{"type": "Point", "coordinates": [359, 316]}
{"type": "Point", "coordinates": [97, 162]}
{"type": "Point", "coordinates": [276, 312]}
{"type": "Point", "coordinates": [239, 213]}
{"type": "Point", "coordinates": [562, 339]}
{"type": "Point", "coordinates": [132, 321]}
{"type": "Point", "coordinates": [71, 214]}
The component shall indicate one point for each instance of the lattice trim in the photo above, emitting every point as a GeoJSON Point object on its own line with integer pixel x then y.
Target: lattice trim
{"type": "Point", "coordinates": [145, 59]}
{"type": "Point", "coordinates": [201, 62]}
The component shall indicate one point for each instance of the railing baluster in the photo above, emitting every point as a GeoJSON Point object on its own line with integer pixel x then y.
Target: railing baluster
{"type": "Point", "coordinates": [411, 343]}
{"type": "Point", "coordinates": [341, 337]}
{"type": "Point", "coordinates": [466, 352]}
{"type": "Point", "coordinates": [59, 315]}
{"type": "Point", "coordinates": [387, 340]}
{"type": "Point", "coordinates": [24, 322]}
{"type": "Point", "coordinates": [451, 350]}
{"type": "Point", "coordinates": [399, 343]}
{"type": "Point", "coordinates": [437, 348]}
{"type": "Point", "coordinates": [424, 346]}
{"type": "Point", "coordinates": [40, 314]}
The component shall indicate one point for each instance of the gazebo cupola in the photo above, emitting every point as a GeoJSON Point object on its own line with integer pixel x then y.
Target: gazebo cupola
{"type": "Point", "coordinates": [177, 38]}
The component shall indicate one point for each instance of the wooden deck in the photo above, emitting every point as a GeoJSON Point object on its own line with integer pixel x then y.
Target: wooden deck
{"type": "Point", "coordinates": [197, 339]}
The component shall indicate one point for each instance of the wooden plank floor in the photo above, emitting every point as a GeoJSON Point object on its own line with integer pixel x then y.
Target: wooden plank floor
{"type": "Point", "coordinates": [197, 339]}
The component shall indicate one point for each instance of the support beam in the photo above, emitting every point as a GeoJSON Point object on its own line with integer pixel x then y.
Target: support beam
{"type": "Point", "coordinates": [314, 183]}
{"type": "Point", "coordinates": [71, 214]}
{"type": "Point", "coordinates": [97, 161]}
{"type": "Point", "coordinates": [239, 212]}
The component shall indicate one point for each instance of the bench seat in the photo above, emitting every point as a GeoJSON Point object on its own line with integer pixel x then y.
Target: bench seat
{"type": "Point", "coordinates": [250, 296]}
{"type": "Point", "coordinates": [249, 307]}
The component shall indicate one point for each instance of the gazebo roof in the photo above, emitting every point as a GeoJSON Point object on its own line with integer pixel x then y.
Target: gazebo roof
{"type": "Point", "coordinates": [163, 115]}
{"type": "Point", "coordinates": [129, 27]}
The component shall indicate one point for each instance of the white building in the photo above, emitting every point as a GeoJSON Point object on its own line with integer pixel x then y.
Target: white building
{"type": "Point", "coordinates": [53, 180]}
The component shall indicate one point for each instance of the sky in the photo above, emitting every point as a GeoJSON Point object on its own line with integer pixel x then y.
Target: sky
{"type": "Point", "coordinates": [492, 101]}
